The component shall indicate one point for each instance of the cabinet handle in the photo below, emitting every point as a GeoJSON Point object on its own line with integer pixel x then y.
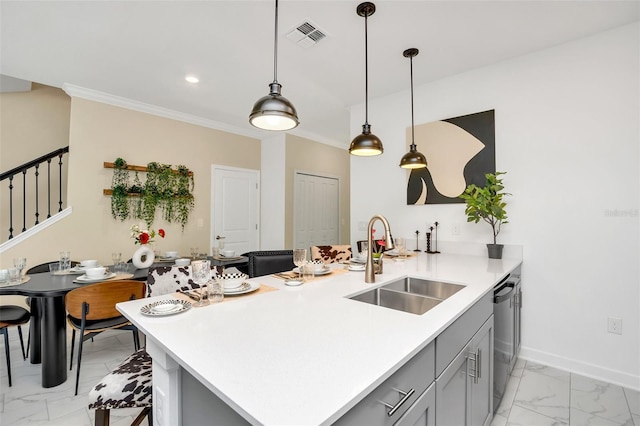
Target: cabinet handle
{"type": "Point", "coordinates": [477, 373]}
{"type": "Point", "coordinates": [405, 397]}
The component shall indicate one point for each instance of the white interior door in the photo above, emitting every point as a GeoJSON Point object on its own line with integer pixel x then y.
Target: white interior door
{"type": "Point", "coordinates": [316, 210]}
{"type": "Point", "coordinates": [235, 212]}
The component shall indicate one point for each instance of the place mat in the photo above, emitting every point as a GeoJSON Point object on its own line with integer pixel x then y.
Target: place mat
{"type": "Point", "coordinates": [290, 274]}
{"type": "Point", "coordinates": [263, 289]}
{"type": "Point", "coordinates": [223, 258]}
{"type": "Point", "coordinates": [24, 279]}
{"type": "Point", "coordinates": [121, 276]}
{"type": "Point", "coordinates": [407, 254]}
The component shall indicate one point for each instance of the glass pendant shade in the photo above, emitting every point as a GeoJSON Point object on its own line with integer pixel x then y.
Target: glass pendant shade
{"type": "Point", "coordinates": [274, 111]}
{"type": "Point", "coordinates": [412, 159]}
{"type": "Point", "coordinates": [366, 144]}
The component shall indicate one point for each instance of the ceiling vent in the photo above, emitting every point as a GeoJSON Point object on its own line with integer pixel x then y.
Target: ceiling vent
{"type": "Point", "coordinates": [306, 35]}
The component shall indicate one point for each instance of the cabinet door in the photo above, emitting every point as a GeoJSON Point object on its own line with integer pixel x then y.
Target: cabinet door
{"type": "Point", "coordinates": [422, 412]}
{"type": "Point", "coordinates": [451, 392]}
{"type": "Point", "coordinates": [480, 399]}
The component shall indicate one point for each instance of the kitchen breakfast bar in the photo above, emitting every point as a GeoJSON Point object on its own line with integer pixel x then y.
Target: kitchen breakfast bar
{"type": "Point", "coordinates": [310, 355]}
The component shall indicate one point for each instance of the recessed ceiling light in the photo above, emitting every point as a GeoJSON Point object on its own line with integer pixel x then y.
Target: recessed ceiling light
{"type": "Point", "coordinates": [192, 79]}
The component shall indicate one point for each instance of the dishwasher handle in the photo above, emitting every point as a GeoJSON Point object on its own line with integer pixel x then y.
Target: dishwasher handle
{"type": "Point", "coordinates": [499, 296]}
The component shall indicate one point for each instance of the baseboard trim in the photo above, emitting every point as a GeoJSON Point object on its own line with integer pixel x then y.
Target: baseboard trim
{"type": "Point", "coordinates": [583, 368]}
{"type": "Point", "coordinates": [23, 236]}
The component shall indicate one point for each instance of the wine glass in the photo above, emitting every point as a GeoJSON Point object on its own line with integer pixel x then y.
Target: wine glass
{"type": "Point", "coordinates": [19, 263]}
{"type": "Point", "coordinates": [201, 270]}
{"type": "Point", "coordinates": [299, 259]}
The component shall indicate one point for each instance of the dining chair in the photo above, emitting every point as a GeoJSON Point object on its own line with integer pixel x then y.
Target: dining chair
{"type": "Point", "coordinates": [268, 262]}
{"type": "Point", "coordinates": [129, 385]}
{"type": "Point", "coordinates": [12, 315]}
{"type": "Point", "coordinates": [331, 253]}
{"type": "Point", "coordinates": [92, 309]}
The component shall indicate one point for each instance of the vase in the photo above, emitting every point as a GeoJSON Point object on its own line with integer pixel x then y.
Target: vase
{"type": "Point", "coordinates": [143, 257]}
{"type": "Point", "coordinates": [495, 251]}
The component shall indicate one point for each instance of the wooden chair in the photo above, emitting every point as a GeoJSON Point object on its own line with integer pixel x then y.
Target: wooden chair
{"type": "Point", "coordinates": [130, 384]}
{"type": "Point", "coordinates": [92, 309]}
{"type": "Point", "coordinates": [12, 315]}
{"type": "Point", "coordinates": [331, 254]}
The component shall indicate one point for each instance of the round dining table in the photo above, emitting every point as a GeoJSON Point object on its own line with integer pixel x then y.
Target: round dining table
{"type": "Point", "coordinates": [48, 325]}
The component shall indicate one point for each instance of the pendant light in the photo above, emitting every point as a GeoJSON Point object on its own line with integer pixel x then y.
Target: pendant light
{"type": "Point", "coordinates": [274, 111]}
{"type": "Point", "coordinates": [412, 159]}
{"type": "Point", "coordinates": [367, 143]}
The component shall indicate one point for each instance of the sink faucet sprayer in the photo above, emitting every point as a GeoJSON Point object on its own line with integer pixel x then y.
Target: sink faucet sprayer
{"type": "Point", "coordinates": [369, 273]}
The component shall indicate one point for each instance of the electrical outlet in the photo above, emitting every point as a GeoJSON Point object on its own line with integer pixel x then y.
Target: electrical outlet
{"type": "Point", "coordinates": [455, 229]}
{"type": "Point", "coordinates": [614, 325]}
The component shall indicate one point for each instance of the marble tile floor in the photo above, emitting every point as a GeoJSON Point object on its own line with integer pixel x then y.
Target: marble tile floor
{"type": "Point", "coordinates": [28, 403]}
{"type": "Point", "coordinates": [536, 395]}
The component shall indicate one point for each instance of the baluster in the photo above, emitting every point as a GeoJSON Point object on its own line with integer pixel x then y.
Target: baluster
{"type": "Point", "coordinates": [60, 193]}
{"type": "Point", "coordinates": [11, 207]}
{"type": "Point", "coordinates": [37, 174]}
{"type": "Point", "coordinates": [24, 200]}
{"type": "Point", "coordinates": [48, 188]}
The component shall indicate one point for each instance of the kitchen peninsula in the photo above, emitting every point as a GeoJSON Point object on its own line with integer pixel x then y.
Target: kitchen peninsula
{"type": "Point", "coordinates": [301, 355]}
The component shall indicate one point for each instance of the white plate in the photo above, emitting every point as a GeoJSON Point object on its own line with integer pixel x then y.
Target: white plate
{"type": "Point", "coordinates": [293, 282]}
{"type": "Point", "coordinates": [245, 288]}
{"type": "Point", "coordinates": [156, 309]}
{"type": "Point", "coordinates": [317, 272]}
{"type": "Point", "coordinates": [86, 279]}
{"type": "Point", "coordinates": [79, 269]}
{"type": "Point", "coordinates": [357, 268]}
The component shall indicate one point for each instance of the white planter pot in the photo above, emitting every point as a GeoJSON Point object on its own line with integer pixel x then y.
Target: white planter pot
{"type": "Point", "coordinates": [143, 257]}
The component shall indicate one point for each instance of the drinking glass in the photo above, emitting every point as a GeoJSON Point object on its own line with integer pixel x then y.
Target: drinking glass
{"type": "Point", "coordinates": [400, 246]}
{"type": "Point", "coordinates": [216, 289]}
{"type": "Point", "coordinates": [117, 260]}
{"type": "Point", "coordinates": [19, 263]}
{"type": "Point", "coordinates": [14, 275]}
{"type": "Point", "coordinates": [201, 270]}
{"type": "Point", "coordinates": [194, 252]}
{"type": "Point", "coordinates": [299, 259]}
{"type": "Point", "coordinates": [65, 261]}
{"type": "Point", "coordinates": [308, 272]}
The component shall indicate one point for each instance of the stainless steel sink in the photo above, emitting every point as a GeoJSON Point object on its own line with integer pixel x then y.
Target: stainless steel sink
{"type": "Point", "coordinates": [436, 289]}
{"type": "Point", "coordinates": [412, 295]}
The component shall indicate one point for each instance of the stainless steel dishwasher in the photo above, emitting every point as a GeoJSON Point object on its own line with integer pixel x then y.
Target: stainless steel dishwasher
{"type": "Point", "coordinates": [506, 312]}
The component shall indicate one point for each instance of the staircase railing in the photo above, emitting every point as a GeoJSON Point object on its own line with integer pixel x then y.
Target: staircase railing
{"type": "Point", "coordinates": [24, 170]}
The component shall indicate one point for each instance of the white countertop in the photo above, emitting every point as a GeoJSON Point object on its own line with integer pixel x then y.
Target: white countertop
{"type": "Point", "coordinates": [307, 354]}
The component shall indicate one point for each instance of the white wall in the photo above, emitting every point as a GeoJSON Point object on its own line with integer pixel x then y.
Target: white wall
{"type": "Point", "coordinates": [567, 134]}
{"type": "Point", "coordinates": [272, 194]}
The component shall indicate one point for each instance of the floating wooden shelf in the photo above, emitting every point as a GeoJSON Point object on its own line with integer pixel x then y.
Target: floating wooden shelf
{"type": "Point", "coordinates": [108, 165]}
{"type": "Point", "coordinates": [110, 192]}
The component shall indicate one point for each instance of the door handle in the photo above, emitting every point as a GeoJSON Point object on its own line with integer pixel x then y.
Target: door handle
{"type": "Point", "coordinates": [477, 365]}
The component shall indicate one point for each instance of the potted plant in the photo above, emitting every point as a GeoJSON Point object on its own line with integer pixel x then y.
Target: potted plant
{"type": "Point", "coordinates": [119, 188]}
{"type": "Point", "coordinates": [487, 203]}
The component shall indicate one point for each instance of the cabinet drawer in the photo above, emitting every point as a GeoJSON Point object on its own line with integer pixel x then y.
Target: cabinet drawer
{"type": "Point", "coordinates": [416, 374]}
{"type": "Point", "coordinates": [456, 336]}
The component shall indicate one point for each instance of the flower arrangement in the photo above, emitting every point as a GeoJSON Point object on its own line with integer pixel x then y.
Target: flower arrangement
{"type": "Point", "coordinates": [378, 246]}
{"type": "Point", "coordinates": [145, 236]}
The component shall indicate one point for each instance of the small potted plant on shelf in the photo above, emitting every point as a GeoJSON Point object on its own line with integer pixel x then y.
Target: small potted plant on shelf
{"type": "Point", "coordinates": [486, 203]}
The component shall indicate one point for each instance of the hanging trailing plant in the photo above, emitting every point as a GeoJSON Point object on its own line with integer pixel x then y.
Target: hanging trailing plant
{"type": "Point", "coordinates": [120, 186]}
{"type": "Point", "coordinates": [165, 188]}
{"type": "Point", "coordinates": [184, 200]}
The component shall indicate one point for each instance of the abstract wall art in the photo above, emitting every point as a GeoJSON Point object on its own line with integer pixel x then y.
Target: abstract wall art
{"type": "Point", "coordinates": [459, 152]}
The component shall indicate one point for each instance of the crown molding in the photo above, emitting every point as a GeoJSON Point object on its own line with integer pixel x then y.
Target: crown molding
{"type": "Point", "coordinates": [119, 101]}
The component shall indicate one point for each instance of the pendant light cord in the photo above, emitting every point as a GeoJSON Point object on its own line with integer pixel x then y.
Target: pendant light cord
{"type": "Point", "coordinates": [366, 72]}
{"type": "Point", "coordinates": [413, 144]}
{"type": "Point", "coordinates": [275, 48]}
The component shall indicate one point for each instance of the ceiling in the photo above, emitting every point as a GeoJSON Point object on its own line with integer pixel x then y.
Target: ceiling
{"type": "Point", "coordinates": [143, 50]}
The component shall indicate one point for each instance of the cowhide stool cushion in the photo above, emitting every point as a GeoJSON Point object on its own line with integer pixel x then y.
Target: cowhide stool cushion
{"type": "Point", "coordinates": [331, 254]}
{"type": "Point", "coordinates": [127, 386]}
{"type": "Point", "coordinates": [164, 280]}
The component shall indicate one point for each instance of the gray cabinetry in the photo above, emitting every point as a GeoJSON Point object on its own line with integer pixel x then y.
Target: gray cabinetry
{"type": "Point", "coordinates": [387, 403]}
{"type": "Point", "coordinates": [464, 389]}
{"type": "Point", "coordinates": [423, 411]}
